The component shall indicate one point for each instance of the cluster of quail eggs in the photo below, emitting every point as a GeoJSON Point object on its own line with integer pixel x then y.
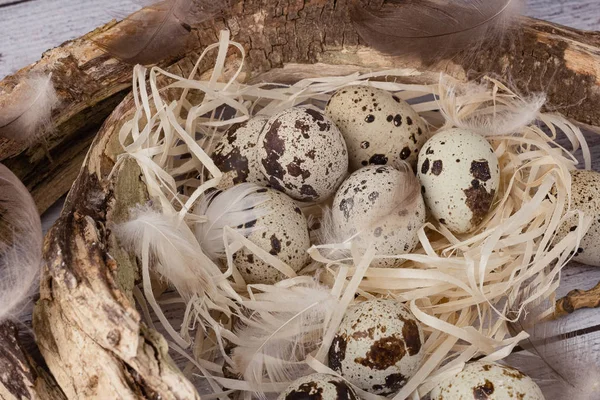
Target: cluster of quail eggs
{"type": "Point", "coordinates": [361, 152]}
{"type": "Point", "coordinates": [370, 155]}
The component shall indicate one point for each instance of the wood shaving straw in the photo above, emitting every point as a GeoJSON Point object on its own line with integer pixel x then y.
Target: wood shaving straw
{"type": "Point", "coordinates": [464, 289]}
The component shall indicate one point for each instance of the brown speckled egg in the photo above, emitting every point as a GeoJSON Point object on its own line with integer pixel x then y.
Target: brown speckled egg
{"type": "Point", "coordinates": [303, 154]}
{"type": "Point", "coordinates": [488, 381]}
{"type": "Point", "coordinates": [235, 155]}
{"type": "Point", "coordinates": [585, 189]}
{"type": "Point", "coordinates": [383, 204]}
{"type": "Point", "coordinates": [460, 176]}
{"type": "Point", "coordinates": [378, 346]}
{"type": "Point", "coordinates": [379, 127]}
{"type": "Point", "coordinates": [318, 387]}
{"type": "Point", "coordinates": [283, 233]}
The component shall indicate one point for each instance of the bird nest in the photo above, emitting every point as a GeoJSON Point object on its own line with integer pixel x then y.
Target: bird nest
{"type": "Point", "coordinates": [466, 290]}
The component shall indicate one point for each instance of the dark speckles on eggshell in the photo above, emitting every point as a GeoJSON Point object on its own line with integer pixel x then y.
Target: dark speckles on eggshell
{"type": "Point", "coordinates": [481, 170]}
{"type": "Point", "coordinates": [302, 154]}
{"type": "Point", "coordinates": [425, 166]}
{"type": "Point", "coordinates": [483, 392]}
{"type": "Point", "coordinates": [437, 168]}
{"type": "Point", "coordinates": [306, 391]}
{"type": "Point", "coordinates": [405, 153]}
{"type": "Point", "coordinates": [337, 352]}
{"type": "Point", "coordinates": [378, 159]}
{"type": "Point", "coordinates": [398, 120]}
{"type": "Point", "coordinates": [370, 119]}
{"type": "Point", "coordinates": [365, 145]}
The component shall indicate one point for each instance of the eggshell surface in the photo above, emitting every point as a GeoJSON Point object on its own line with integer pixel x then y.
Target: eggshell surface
{"type": "Point", "coordinates": [460, 176]}
{"type": "Point", "coordinates": [318, 387]}
{"type": "Point", "coordinates": [385, 205]}
{"type": "Point", "coordinates": [303, 154]}
{"type": "Point", "coordinates": [282, 233]}
{"type": "Point", "coordinates": [489, 381]}
{"type": "Point", "coordinates": [236, 154]}
{"type": "Point", "coordinates": [378, 346]}
{"type": "Point", "coordinates": [585, 189]}
{"type": "Point", "coordinates": [379, 127]}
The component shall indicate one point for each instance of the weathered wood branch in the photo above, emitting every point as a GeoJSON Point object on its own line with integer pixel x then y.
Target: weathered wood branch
{"type": "Point", "coordinates": [577, 300]}
{"type": "Point", "coordinates": [21, 377]}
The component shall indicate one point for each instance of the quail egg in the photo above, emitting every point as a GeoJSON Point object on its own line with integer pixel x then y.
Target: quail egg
{"type": "Point", "coordinates": [235, 155]}
{"type": "Point", "coordinates": [379, 127]}
{"type": "Point", "coordinates": [585, 189]}
{"type": "Point", "coordinates": [283, 233]}
{"type": "Point", "coordinates": [378, 346]}
{"type": "Point", "coordinates": [318, 387]}
{"type": "Point", "coordinates": [303, 154]}
{"type": "Point", "coordinates": [460, 175]}
{"type": "Point", "coordinates": [491, 381]}
{"type": "Point", "coordinates": [383, 204]}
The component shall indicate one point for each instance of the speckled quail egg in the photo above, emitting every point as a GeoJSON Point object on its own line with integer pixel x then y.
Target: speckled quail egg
{"type": "Point", "coordinates": [378, 346]}
{"type": "Point", "coordinates": [318, 387]}
{"type": "Point", "coordinates": [283, 232]}
{"type": "Point", "coordinates": [235, 155]}
{"type": "Point", "coordinates": [460, 175]}
{"type": "Point", "coordinates": [379, 127]}
{"type": "Point", "coordinates": [383, 204]}
{"type": "Point", "coordinates": [303, 154]}
{"type": "Point", "coordinates": [490, 381]}
{"type": "Point", "coordinates": [585, 192]}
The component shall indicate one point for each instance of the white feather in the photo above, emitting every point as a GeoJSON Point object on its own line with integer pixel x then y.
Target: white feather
{"type": "Point", "coordinates": [571, 360]}
{"type": "Point", "coordinates": [493, 119]}
{"type": "Point", "coordinates": [235, 208]}
{"type": "Point", "coordinates": [20, 245]}
{"type": "Point", "coordinates": [275, 343]}
{"type": "Point", "coordinates": [176, 253]}
{"type": "Point", "coordinates": [28, 116]}
{"type": "Point", "coordinates": [407, 193]}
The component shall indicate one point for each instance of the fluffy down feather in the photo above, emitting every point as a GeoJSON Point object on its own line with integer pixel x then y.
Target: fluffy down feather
{"type": "Point", "coordinates": [236, 208]}
{"type": "Point", "coordinates": [160, 30]}
{"type": "Point", "coordinates": [176, 254]}
{"type": "Point", "coordinates": [27, 117]}
{"type": "Point", "coordinates": [20, 245]}
{"type": "Point", "coordinates": [434, 29]}
{"type": "Point", "coordinates": [287, 324]}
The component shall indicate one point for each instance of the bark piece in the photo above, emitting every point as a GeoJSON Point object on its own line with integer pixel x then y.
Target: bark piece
{"type": "Point", "coordinates": [21, 378]}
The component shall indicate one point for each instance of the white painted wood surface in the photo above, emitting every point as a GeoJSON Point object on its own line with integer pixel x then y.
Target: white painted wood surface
{"type": "Point", "coordinates": [29, 27]}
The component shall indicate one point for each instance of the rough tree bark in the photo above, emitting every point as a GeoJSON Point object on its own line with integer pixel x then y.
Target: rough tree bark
{"type": "Point", "coordinates": [87, 327]}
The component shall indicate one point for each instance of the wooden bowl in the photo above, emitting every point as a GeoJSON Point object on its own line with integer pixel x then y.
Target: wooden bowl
{"type": "Point", "coordinates": [87, 327]}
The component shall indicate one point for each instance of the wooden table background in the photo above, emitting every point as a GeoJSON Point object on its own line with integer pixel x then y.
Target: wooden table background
{"type": "Point", "coordinates": [29, 27]}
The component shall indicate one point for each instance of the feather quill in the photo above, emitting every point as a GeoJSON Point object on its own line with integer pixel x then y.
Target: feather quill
{"type": "Point", "coordinates": [28, 116]}
{"type": "Point", "coordinates": [274, 344]}
{"type": "Point", "coordinates": [175, 252]}
{"type": "Point", "coordinates": [159, 30]}
{"type": "Point", "coordinates": [434, 29]}
{"type": "Point", "coordinates": [238, 207]}
{"type": "Point", "coordinates": [20, 245]}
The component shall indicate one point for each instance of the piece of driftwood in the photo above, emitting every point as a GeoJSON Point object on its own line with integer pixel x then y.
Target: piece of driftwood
{"type": "Point", "coordinates": [87, 327]}
{"type": "Point", "coordinates": [22, 377]}
{"type": "Point", "coordinates": [577, 300]}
